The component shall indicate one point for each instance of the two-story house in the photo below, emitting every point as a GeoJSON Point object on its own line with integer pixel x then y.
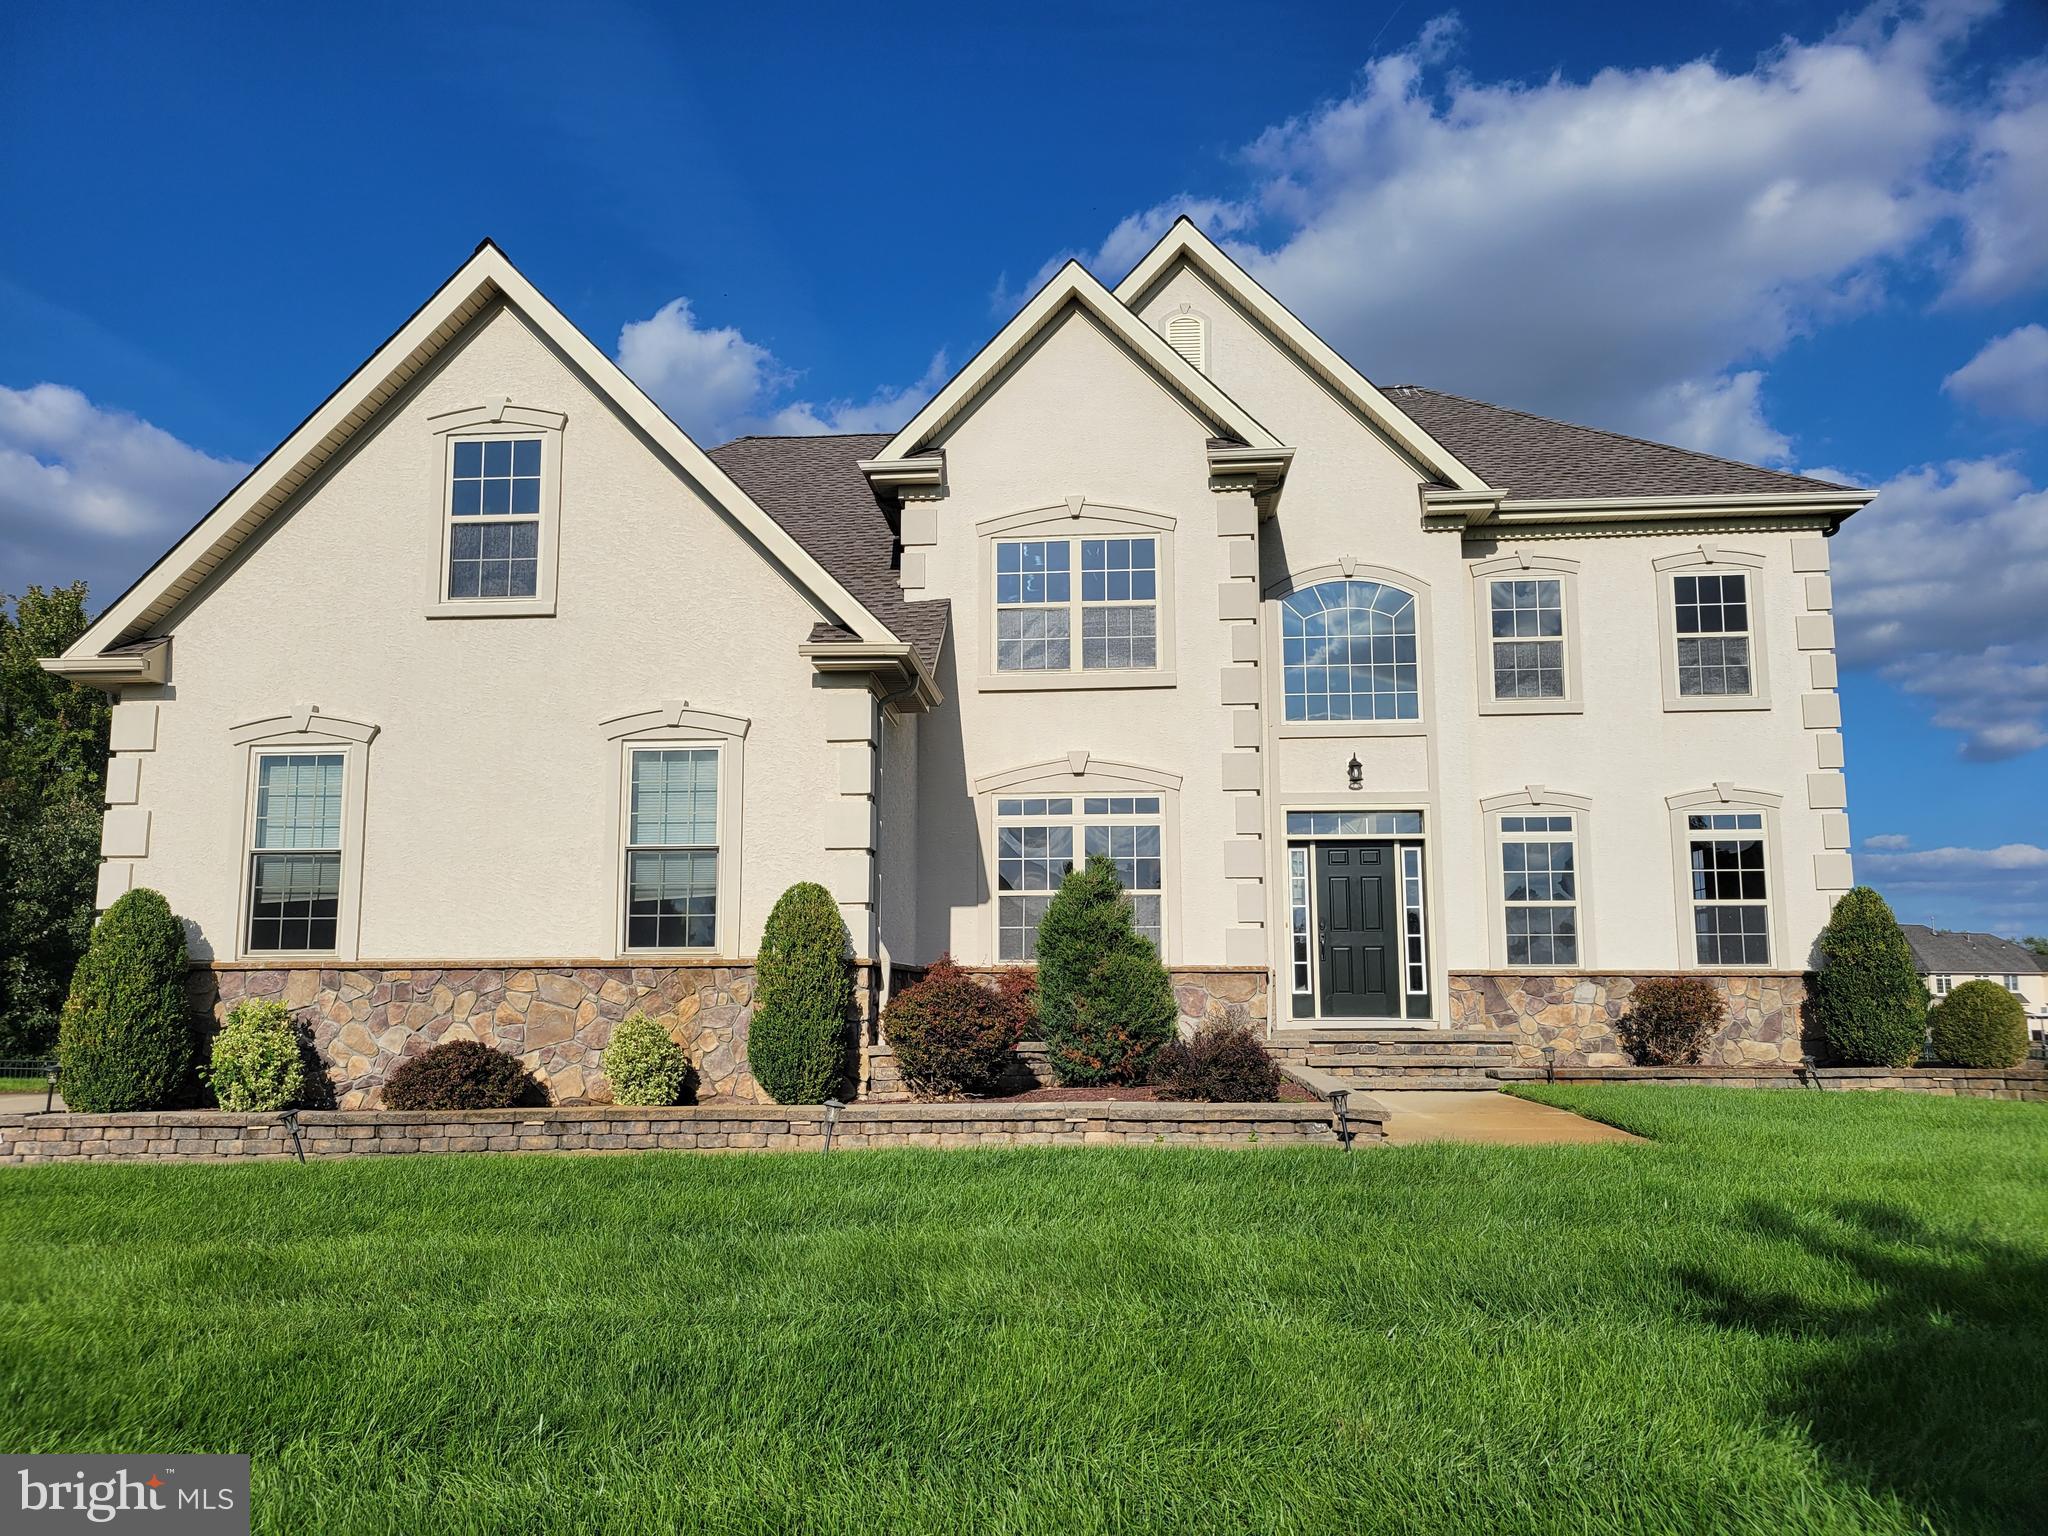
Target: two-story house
{"type": "Point", "coordinates": [491, 705]}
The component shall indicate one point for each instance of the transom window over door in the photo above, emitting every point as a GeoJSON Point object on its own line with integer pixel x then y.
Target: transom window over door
{"type": "Point", "coordinates": [1036, 840]}
{"type": "Point", "coordinates": [1036, 598]}
{"type": "Point", "coordinates": [672, 848]}
{"type": "Point", "coordinates": [1730, 890]}
{"type": "Point", "coordinates": [1348, 652]}
{"type": "Point", "coordinates": [295, 863]}
{"type": "Point", "coordinates": [494, 514]}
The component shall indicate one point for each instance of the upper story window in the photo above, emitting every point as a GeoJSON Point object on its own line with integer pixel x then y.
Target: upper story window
{"type": "Point", "coordinates": [1941, 986]}
{"type": "Point", "coordinates": [295, 860]}
{"type": "Point", "coordinates": [1528, 638]}
{"type": "Point", "coordinates": [500, 511]}
{"type": "Point", "coordinates": [1117, 597]}
{"type": "Point", "coordinates": [1037, 837]}
{"type": "Point", "coordinates": [2012, 983]}
{"type": "Point", "coordinates": [1731, 915]}
{"type": "Point", "coordinates": [1711, 616]}
{"type": "Point", "coordinates": [1348, 652]}
{"type": "Point", "coordinates": [494, 514]}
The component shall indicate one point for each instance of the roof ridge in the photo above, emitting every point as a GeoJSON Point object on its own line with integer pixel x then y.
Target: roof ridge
{"type": "Point", "coordinates": [793, 437]}
{"type": "Point", "coordinates": [1620, 437]}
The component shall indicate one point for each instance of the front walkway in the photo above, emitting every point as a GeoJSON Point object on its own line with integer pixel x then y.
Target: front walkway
{"type": "Point", "coordinates": [27, 1103]}
{"type": "Point", "coordinates": [1496, 1118]}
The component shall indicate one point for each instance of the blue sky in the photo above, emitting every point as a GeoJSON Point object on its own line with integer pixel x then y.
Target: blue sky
{"type": "Point", "coordinates": [1808, 236]}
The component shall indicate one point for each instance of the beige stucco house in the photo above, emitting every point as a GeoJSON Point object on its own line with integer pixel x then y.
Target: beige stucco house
{"type": "Point", "coordinates": [1945, 959]}
{"type": "Point", "coordinates": [491, 704]}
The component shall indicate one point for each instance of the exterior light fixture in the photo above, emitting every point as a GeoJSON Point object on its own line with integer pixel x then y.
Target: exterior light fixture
{"type": "Point", "coordinates": [832, 1108]}
{"type": "Point", "coordinates": [50, 1097]}
{"type": "Point", "coordinates": [1550, 1063]}
{"type": "Point", "coordinates": [1355, 772]}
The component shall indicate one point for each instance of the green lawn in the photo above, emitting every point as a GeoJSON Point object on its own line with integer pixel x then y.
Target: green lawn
{"type": "Point", "coordinates": [22, 1084]}
{"type": "Point", "coordinates": [1791, 1312]}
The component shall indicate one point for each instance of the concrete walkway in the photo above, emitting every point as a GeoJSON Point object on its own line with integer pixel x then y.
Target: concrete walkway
{"type": "Point", "coordinates": [1417, 1115]}
{"type": "Point", "coordinates": [26, 1103]}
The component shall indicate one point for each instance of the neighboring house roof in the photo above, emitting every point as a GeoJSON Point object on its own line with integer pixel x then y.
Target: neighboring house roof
{"type": "Point", "coordinates": [1537, 458]}
{"type": "Point", "coordinates": [486, 278]}
{"type": "Point", "coordinates": [813, 487]}
{"type": "Point", "coordinates": [1939, 952]}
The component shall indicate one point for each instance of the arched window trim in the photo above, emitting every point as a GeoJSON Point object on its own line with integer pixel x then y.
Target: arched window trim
{"type": "Point", "coordinates": [1348, 569]}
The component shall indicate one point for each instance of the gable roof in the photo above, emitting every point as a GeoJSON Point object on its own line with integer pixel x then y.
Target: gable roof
{"type": "Point", "coordinates": [486, 278]}
{"type": "Point", "coordinates": [1938, 951]}
{"type": "Point", "coordinates": [1537, 458]}
{"type": "Point", "coordinates": [1074, 286]}
{"type": "Point", "coordinates": [1184, 242]}
{"type": "Point", "coordinates": [813, 487]}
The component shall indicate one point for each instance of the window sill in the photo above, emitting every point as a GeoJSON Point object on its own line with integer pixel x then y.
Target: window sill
{"type": "Point", "coordinates": [1531, 707]}
{"type": "Point", "coordinates": [495, 608]}
{"type": "Point", "coordinates": [1687, 703]}
{"type": "Point", "coordinates": [260, 957]}
{"type": "Point", "coordinates": [1054, 682]}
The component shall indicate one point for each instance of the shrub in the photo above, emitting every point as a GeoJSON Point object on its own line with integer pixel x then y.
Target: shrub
{"type": "Point", "coordinates": [125, 1037]}
{"type": "Point", "coordinates": [258, 1061]}
{"type": "Point", "coordinates": [462, 1074]}
{"type": "Point", "coordinates": [646, 1066]}
{"type": "Point", "coordinates": [800, 1039]}
{"type": "Point", "coordinates": [953, 1035]}
{"type": "Point", "coordinates": [1222, 1064]}
{"type": "Point", "coordinates": [1980, 1024]}
{"type": "Point", "coordinates": [1865, 999]}
{"type": "Point", "coordinates": [1105, 1002]}
{"type": "Point", "coordinates": [1671, 1020]}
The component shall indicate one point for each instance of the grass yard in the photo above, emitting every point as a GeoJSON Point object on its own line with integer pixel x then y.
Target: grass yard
{"type": "Point", "coordinates": [1791, 1313]}
{"type": "Point", "coordinates": [16, 1084]}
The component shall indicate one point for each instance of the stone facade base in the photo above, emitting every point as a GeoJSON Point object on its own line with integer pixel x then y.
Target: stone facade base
{"type": "Point", "coordinates": [212, 1136]}
{"type": "Point", "coordinates": [1577, 1013]}
{"type": "Point", "coordinates": [1951, 1082]}
{"type": "Point", "coordinates": [557, 1018]}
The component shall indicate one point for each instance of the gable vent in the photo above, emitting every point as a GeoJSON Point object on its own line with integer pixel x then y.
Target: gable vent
{"type": "Point", "coordinates": [1188, 336]}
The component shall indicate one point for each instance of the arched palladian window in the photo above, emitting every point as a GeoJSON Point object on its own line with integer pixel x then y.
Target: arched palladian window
{"type": "Point", "coordinates": [1348, 652]}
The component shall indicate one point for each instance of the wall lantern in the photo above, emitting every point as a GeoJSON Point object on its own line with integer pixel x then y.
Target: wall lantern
{"type": "Point", "coordinates": [1354, 771]}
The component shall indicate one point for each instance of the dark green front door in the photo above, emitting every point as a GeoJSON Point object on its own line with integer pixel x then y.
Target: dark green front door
{"type": "Point", "coordinates": [1355, 914]}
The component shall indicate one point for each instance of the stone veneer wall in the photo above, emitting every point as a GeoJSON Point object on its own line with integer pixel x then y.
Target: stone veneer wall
{"type": "Point", "coordinates": [557, 1018]}
{"type": "Point", "coordinates": [1577, 1014]}
{"type": "Point", "coordinates": [210, 1135]}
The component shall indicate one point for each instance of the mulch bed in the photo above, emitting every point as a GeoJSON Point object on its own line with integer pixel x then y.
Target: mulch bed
{"type": "Point", "coordinates": [1290, 1093]}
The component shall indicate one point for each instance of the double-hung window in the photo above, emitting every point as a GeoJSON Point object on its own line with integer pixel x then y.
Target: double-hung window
{"type": "Point", "coordinates": [672, 848]}
{"type": "Point", "coordinates": [494, 516]}
{"type": "Point", "coordinates": [1539, 858]}
{"type": "Point", "coordinates": [1527, 624]}
{"type": "Point", "coordinates": [1037, 595]}
{"type": "Point", "coordinates": [1711, 618]}
{"type": "Point", "coordinates": [1037, 838]}
{"type": "Point", "coordinates": [295, 863]}
{"type": "Point", "coordinates": [1941, 985]}
{"type": "Point", "coordinates": [1731, 915]}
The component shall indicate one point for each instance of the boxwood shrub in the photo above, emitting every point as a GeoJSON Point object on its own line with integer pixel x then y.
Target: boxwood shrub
{"type": "Point", "coordinates": [1979, 1024]}
{"type": "Point", "coordinates": [801, 1036]}
{"type": "Point", "coordinates": [952, 1035]}
{"type": "Point", "coordinates": [258, 1060]}
{"type": "Point", "coordinates": [463, 1074]}
{"type": "Point", "coordinates": [124, 1040]}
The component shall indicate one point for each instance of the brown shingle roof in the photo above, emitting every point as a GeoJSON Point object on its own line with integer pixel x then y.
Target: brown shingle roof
{"type": "Point", "coordinates": [1534, 457]}
{"type": "Point", "coordinates": [813, 487]}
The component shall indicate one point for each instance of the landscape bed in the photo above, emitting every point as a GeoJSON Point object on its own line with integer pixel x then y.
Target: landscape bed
{"type": "Point", "coordinates": [1785, 1313]}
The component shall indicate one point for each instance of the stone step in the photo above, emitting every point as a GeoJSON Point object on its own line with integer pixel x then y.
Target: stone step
{"type": "Point", "coordinates": [1318, 1034]}
{"type": "Point", "coordinates": [1340, 1061]}
{"type": "Point", "coordinates": [1379, 1082]}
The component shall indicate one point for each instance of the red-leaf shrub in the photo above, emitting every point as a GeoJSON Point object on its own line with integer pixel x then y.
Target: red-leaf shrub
{"type": "Point", "coordinates": [1222, 1064]}
{"type": "Point", "coordinates": [463, 1075]}
{"type": "Point", "coordinates": [952, 1035]}
{"type": "Point", "coordinates": [1671, 1020]}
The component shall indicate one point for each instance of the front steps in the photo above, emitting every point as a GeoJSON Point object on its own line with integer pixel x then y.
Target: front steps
{"type": "Point", "coordinates": [1393, 1056]}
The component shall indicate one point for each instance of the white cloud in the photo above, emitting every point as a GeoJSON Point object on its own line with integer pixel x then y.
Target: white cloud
{"type": "Point", "coordinates": [718, 385]}
{"type": "Point", "coordinates": [2001, 890]}
{"type": "Point", "coordinates": [1888, 842]}
{"type": "Point", "coordinates": [90, 492]}
{"type": "Point", "coordinates": [1626, 249]}
{"type": "Point", "coordinates": [2009, 377]}
{"type": "Point", "coordinates": [1938, 586]}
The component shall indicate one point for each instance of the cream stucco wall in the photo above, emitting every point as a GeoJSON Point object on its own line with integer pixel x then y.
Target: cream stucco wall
{"type": "Point", "coordinates": [1349, 495]}
{"type": "Point", "coordinates": [490, 829]}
